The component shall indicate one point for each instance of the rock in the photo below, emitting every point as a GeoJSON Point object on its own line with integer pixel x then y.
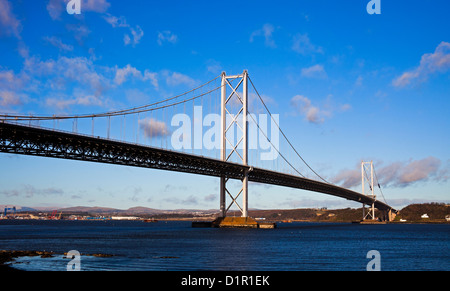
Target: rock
{"type": "Point", "coordinates": [101, 255]}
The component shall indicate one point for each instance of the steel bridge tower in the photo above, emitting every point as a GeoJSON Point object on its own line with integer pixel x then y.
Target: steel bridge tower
{"type": "Point", "coordinates": [234, 109]}
{"type": "Point", "coordinates": [368, 167]}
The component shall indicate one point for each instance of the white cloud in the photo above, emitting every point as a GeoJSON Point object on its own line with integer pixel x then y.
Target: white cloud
{"type": "Point", "coordinates": [175, 79]}
{"type": "Point", "coordinates": [80, 31]}
{"type": "Point", "coordinates": [348, 178]}
{"type": "Point", "coordinates": [85, 100]}
{"type": "Point", "coordinates": [303, 105]}
{"type": "Point", "coordinates": [24, 52]}
{"type": "Point", "coordinates": [56, 42]}
{"type": "Point", "coordinates": [153, 128]}
{"type": "Point", "coordinates": [29, 191]}
{"type": "Point", "coordinates": [302, 45]}
{"type": "Point", "coordinates": [8, 98]}
{"type": "Point", "coordinates": [81, 70]}
{"type": "Point", "coordinates": [398, 174]}
{"type": "Point", "coordinates": [123, 74]}
{"type": "Point", "coordinates": [99, 6]}
{"type": "Point", "coordinates": [314, 113]}
{"type": "Point", "coordinates": [11, 86]}
{"type": "Point", "coordinates": [137, 33]}
{"type": "Point", "coordinates": [9, 24]}
{"type": "Point", "coordinates": [316, 71]}
{"type": "Point", "coordinates": [126, 39]}
{"type": "Point", "coordinates": [414, 171]}
{"type": "Point", "coordinates": [56, 8]}
{"type": "Point", "coordinates": [266, 31]}
{"type": "Point", "coordinates": [166, 36]}
{"type": "Point", "coordinates": [7, 76]}
{"type": "Point", "coordinates": [210, 197]}
{"type": "Point", "coordinates": [9, 80]}
{"type": "Point", "coordinates": [67, 81]}
{"type": "Point", "coordinates": [437, 62]}
{"type": "Point", "coordinates": [128, 70]}
{"type": "Point", "coordinates": [116, 21]}
{"type": "Point", "coordinates": [152, 77]}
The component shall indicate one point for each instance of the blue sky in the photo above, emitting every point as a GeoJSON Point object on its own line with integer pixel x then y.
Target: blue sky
{"type": "Point", "coordinates": [348, 86]}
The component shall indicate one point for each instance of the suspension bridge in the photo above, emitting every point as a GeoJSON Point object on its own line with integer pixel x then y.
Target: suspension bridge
{"type": "Point", "coordinates": [236, 144]}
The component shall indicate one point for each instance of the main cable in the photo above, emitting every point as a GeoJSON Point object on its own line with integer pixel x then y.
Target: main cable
{"type": "Point", "coordinates": [257, 93]}
{"type": "Point", "coordinates": [378, 183]}
{"type": "Point", "coordinates": [134, 110]}
{"type": "Point", "coordinates": [274, 146]}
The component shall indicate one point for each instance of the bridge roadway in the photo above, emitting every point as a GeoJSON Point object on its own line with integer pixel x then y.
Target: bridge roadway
{"type": "Point", "coordinates": [35, 141]}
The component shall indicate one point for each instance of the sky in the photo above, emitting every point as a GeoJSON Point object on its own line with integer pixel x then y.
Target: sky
{"type": "Point", "coordinates": [348, 86]}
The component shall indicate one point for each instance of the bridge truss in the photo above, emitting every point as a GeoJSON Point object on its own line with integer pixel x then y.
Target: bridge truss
{"type": "Point", "coordinates": [34, 141]}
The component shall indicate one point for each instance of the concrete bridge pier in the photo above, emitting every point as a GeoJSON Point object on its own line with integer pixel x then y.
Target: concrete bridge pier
{"type": "Point", "coordinates": [389, 215]}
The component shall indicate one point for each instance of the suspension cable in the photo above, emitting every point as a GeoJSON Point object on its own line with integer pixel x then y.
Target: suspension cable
{"type": "Point", "coordinates": [378, 183]}
{"type": "Point", "coordinates": [274, 146]}
{"type": "Point", "coordinates": [265, 106]}
{"type": "Point", "coordinates": [134, 110]}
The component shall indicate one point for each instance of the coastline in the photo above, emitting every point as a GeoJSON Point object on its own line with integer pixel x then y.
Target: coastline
{"type": "Point", "coordinates": [195, 219]}
{"type": "Point", "coordinates": [7, 257]}
{"type": "Point", "coordinates": [413, 213]}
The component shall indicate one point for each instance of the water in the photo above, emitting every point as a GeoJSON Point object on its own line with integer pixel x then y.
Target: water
{"type": "Point", "coordinates": [176, 246]}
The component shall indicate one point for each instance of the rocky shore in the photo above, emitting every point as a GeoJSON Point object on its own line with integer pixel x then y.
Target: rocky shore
{"type": "Point", "coordinates": [7, 256]}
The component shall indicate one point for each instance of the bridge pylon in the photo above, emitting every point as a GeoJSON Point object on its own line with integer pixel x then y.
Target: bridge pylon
{"type": "Point", "coordinates": [365, 178]}
{"type": "Point", "coordinates": [236, 102]}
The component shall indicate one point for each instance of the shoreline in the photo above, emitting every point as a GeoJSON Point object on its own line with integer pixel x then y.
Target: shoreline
{"type": "Point", "coordinates": [7, 257]}
{"type": "Point", "coordinates": [428, 213]}
{"type": "Point", "coordinates": [195, 219]}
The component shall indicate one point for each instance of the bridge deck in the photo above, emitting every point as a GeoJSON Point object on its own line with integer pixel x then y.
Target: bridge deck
{"type": "Point", "coordinates": [26, 140]}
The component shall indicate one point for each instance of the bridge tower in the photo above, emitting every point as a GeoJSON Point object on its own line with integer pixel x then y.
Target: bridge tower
{"type": "Point", "coordinates": [368, 167]}
{"type": "Point", "coordinates": [234, 108]}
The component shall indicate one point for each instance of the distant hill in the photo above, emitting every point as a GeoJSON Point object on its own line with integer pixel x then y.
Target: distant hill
{"type": "Point", "coordinates": [414, 212]}
{"type": "Point", "coordinates": [142, 210]}
{"type": "Point", "coordinates": [95, 209]}
{"type": "Point", "coordinates": [335, 215]}
{"type": "Point", "coordinates": [133, 211]}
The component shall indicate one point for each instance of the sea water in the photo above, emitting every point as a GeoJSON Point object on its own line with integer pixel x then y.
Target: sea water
{"type": "Point", "coordinates": [176, 246]}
